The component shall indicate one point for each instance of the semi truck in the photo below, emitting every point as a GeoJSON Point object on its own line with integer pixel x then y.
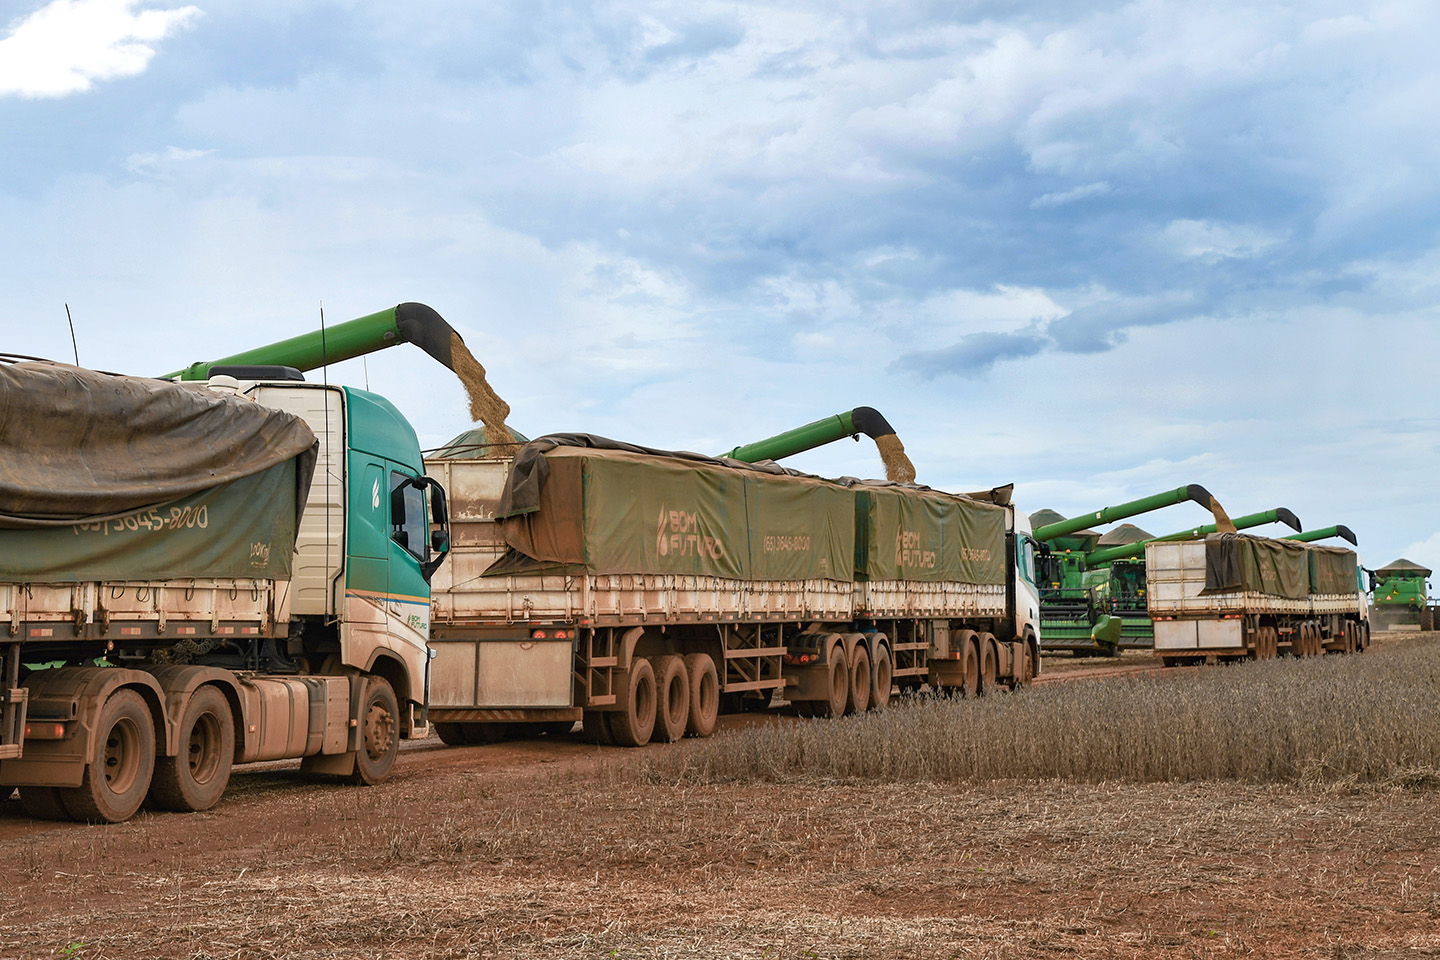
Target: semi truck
{"type": "Point", "coordinates": [1237, 596]}
{"type": "Point", "coordinates": [642, 592]}
{"type": "Point", "coordinates": [201, 574]}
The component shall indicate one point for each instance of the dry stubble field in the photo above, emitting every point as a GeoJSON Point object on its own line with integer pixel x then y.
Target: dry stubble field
{"type": "Point", "coordinates": [712, 849]}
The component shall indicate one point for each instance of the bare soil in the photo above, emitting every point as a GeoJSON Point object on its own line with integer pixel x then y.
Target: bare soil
{"type": "Point", "coordinates": [559, 848]}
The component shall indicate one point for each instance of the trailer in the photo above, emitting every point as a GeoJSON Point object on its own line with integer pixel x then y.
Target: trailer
{"type": "Point", "coordinates": [1236, 596]}
{"type": "Point", "coordinates": [643, 592]}
{"type": "Point", "coordinates": [198, 575]}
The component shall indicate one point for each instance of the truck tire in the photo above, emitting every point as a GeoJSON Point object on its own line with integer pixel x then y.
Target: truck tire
{"type": "Point", "coordinates": [450, 734]}
{"type": "Point", "coordinates": [43, 803]}
{"type": "Point", "coordinates": [987, 664]}
{"type": "Point", "coordinates": [969, 643]}
{"type": "Point", "coordinates": [838, 685]}
{"type": "Point", "coordinates": [860, 681]}
{"type": "Point", "coordinates": [195, 778]}
{"type": "Point", "coordinates": [379, 732]}
{"type": "Point", "coordinates": [704, 695]}
{"type": "Point", "coordinates": [595, 727]}
{"type": "Point", "coordinates": [634, 722]}
{"type": "Point", "coordinates": [122, 760]}
{"type": "Point", "coordinates": [882, 678]}
{"type": "Point", "coordinates": [672, 697]}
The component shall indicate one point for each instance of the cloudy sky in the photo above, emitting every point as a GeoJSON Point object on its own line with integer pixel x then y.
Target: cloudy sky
{"type": "Point", "coordinates": [1097, 253]}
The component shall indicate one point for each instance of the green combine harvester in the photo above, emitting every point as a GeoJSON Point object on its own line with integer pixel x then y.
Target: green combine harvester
{"type": "Point", "coordinates": [1399, 597]}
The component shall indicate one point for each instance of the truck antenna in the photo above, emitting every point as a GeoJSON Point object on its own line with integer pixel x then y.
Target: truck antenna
{"type": "Point", "coordinates": [73, 345]}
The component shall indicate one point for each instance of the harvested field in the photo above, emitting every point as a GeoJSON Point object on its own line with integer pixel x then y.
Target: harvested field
{"type": "Point", "coordinates": [536, 849]}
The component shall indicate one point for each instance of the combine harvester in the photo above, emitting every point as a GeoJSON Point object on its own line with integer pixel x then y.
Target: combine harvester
{"type": "Point", "coordinates": [1235, 596]}
{"type": "Point", "coordinates": [1400, 598]}
{"type": "Point", "coordinates": [1123, 568]}
{"type": "Point", "coordinates": [1075, 600]}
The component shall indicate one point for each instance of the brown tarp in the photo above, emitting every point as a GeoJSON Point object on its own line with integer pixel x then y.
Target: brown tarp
{"type": "Point", "coordinates": [1333, 570]}
{"type": "Point", "coordinates": [1404, 568]}
{"type": "Point", "coordinates": [77, 446]}
{"type": "Point", "coordinates": [1236, 562]}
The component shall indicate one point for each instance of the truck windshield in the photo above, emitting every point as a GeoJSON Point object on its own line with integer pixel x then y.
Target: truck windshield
{"type": "Point", "coordinates": [409, 526]}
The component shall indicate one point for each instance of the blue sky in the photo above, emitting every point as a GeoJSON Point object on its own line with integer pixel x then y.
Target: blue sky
{"type": "Point", "coordinates": [1098, 252]}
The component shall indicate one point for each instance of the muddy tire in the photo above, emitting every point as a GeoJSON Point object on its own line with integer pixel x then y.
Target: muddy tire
{"type": "Point", "coordinates": [43, 803]}
{"type": "Point", "coordinates": [1024, 668]}
{"type": "Point", "coordinates": [633, 724]}
{"type": "Point", "coordinates": [121, 763]}
{"type": "Point", "coordinates": [987, 664]}
{"type": "Point", "coordinates": [882, 678]}
{"type": "Point", "coordinates": [704, 695]}
{"type": "Point", "coordinates": [195, 778]}
{"type": "Point", "coordinates": [837, 684]}
{"type": "Point", "coordinates": [860, 681]}
{"type": "Point", "coordinates": [595, 727]}
{"type": "Point", "coordinates": [672, 698]}
{"type": "Point", "coordinates": [379, 734]}
{"type": "Point", "coordinates": [451, 734]}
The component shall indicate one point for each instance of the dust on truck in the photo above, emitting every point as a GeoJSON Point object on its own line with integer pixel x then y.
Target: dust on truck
{"type": "Point", "coordinates": [643, 592]}
{"type": "Point", "coordinates": [203, 574]}
{"type": "Point", "coordinates": [1236, 596]}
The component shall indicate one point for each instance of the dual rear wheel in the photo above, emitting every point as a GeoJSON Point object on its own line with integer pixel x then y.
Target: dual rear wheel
{"type": "Point", "coordinates": [662, 698]}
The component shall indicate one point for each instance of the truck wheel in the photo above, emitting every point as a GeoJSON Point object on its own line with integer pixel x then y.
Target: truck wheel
{"type": "Point", "coordinates": [379, 732]}
{"type": "Point", "coordinates": [122, 760]}
{"type": "Point", "coordinates": [43, 803]}
{"type": "Point", "coordinates": [987, 664]}
{"type": "Point", "coordinates": [450, 734]}
{"type": "Point", "coordinates": [633, 723]}
{"type": "Point", "coordinates": [839, 685]}
{"type": "Point", "coordinates": [1024, 667]}
{"type": "Point", "coordinates": [860, 681]}
{"type": "Point", "coordinates": [704, 695]}
{"type": "Point", "coordinates": [595, 727]}
{"type": "Point", "coordinates": [672, 697]}
{"type": "Point", "coordinates": [195, 778]}
{"type": "Point", "coordinates": [882, 679]}
{"type": "Point", "coordinates": [971, 655]}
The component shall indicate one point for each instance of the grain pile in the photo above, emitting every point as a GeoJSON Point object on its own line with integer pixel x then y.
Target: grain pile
{"type": "Point", "coordinates": [897, 465]}
{"type": "Point", "coordinates": [485, 404]}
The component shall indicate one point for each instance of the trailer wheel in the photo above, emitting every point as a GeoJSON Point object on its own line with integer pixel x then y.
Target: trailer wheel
{"type": "Point", "coordinates": [971, 653]}
{"type": "Point", "coordinates": [860, 681]}
{"type": "Point", "coordinates": [122, 760]}
{"type": "Point", "coordinates": [595, 727]}
{"type": "Point", "coordinates": [672, 697]}
{"type": "Point", "coordinates": [634, 722]}
{"type": "Point", "coordinates": [704, 695]}
{"type": "Point", "coordinates": [883, 678]}
{"type": "Point", "coordinates": [44, 803]}
{"type": "Point", "coordinates": [195, 778]}
{"type": "Point", "coordinates": [379, 732]}
{"type": "Point", "coordinates": [838, 684]}
{"type": "Point", "coordinates": [450, 734]}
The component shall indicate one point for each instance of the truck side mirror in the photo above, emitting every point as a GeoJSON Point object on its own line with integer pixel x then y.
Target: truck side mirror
{"type": "Point", "coordinates": [439, 541]}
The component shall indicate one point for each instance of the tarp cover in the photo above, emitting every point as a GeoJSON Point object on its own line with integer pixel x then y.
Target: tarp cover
{"type": "Point", "coordinates": [1404, 568]}
{"type": "Point", "coordinates": [1333, 570]}
{"type": "Point", "coordinates": [1124, 535]}
{"type": "Point", "coordinates": [905, 534]}
{"type": "Point", "coordinates": [109, 477]}
{"type": "Point", "coordinates": [1236, 562]}
{"type": "Point", "coordinates": [620, 509]}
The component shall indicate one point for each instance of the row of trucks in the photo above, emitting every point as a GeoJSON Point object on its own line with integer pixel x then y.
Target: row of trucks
{"type": "Point", "coordinates": [233, 564]}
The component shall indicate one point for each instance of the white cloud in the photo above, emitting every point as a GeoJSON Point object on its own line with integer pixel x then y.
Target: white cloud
{"type": "Point", "coordinates": [1211, 240]}
{"type": "Point", "coordinates": [1425, 552]}
{"type": "Point", "coordinates": [1060, 198]}
{"type": "Point", "coordinates": [68, 45]}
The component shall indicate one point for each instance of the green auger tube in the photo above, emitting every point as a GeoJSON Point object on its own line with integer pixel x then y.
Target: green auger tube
{"type": "Point", "coordinates": [1109, 554]}
{"type": "Point", "coordinates": [406, 323]}
{"type": "Point", "coordinates": [1192, 492]}
{"type": "Point", "coordinates": [1325, 533]}
{"type": "Point", "coordinates": [866, 420]}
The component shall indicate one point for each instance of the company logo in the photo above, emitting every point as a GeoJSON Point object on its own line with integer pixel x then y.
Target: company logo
{"type": "Point", "coordinates": [375, 495]}
{"type": "Point", "coordinates": [677, 534]}
{"type": "Point", "coordinates": [259, 553]}
{"type": "Point", "coordinates": [910, 552]}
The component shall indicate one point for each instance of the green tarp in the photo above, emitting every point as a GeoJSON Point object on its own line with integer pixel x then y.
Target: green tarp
{"type": "Point", "coordinates": [619, 511]}
{"type": "Point", "coordinates": [245, 528]}
{"type": "Point", "coordinates": [1277, 568]}
{"type": "Point", "coordinates": [906, 534]}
